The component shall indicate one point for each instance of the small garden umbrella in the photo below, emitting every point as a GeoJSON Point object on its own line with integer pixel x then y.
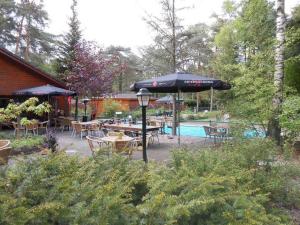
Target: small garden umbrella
{"type": "Point", "coordinates": [180, 82]}
{"type": "Point", "coordinates": [45, 90]}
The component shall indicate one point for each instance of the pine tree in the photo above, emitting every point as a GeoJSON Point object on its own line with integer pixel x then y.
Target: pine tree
{"type": "Point", "coordinates": [68, 45]}
{"type": "Point", "coordinates": [7, 22]}
{"type": "Point", "coordinates": [31, 39]}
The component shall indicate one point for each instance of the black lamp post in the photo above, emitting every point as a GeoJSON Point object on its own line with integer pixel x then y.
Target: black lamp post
{"type": "Point", "coordinates": [85, 101]}
{"type": "Point", "coordinates": [143, 97]}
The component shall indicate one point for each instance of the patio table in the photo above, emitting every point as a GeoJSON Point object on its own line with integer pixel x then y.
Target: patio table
{"type": "Point", "coordinates": [132, 127]}
{"type": "Point", "coordinates": [92, 122]}
{"type": "Point", "coordinates": [113, 140]}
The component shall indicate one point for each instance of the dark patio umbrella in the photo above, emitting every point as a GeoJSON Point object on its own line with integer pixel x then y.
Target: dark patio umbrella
{"type": "Point", "coordinates": [180, 82]}
{"type": "Point", "coordinates": [183, 82]}
{"type": "Point", "coordinates": [47, 90]}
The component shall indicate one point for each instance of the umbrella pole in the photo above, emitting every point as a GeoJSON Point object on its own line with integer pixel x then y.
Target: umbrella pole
{"type": "Point", "coordinates": [174, 115]}
{"type": "Point", "coordinates": [178, 117]}
{"type": "Point", "coordinates": [76, 107]}
{"type": "Point", "coordinates": [211, 98]}
{"type": "Point", "coordinates": [49, 112]}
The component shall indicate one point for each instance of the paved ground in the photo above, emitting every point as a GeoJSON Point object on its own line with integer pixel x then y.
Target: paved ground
{"type": "Point", "coordinates": [158, 152]}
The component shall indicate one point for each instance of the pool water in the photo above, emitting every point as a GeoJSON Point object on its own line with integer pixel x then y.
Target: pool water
{"type": "Point", "coordinates": [198, 131]}
{"type": "Point", "coordinates": [193, 131]}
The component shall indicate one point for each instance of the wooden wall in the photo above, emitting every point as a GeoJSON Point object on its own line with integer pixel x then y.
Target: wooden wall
{"type": "Point", "coordinates": [15, 76]}
{"type": "Point", "coordinates": [126, 104]}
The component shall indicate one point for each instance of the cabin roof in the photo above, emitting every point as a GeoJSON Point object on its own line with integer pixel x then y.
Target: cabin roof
{"type": "Point", "coordinates": [35, 71]}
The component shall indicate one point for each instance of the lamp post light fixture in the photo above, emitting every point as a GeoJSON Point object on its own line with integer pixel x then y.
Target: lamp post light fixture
{"type": "Point", "coordinates": [85, 101]}
{"type": "Point", "coordinates": [143, 97]}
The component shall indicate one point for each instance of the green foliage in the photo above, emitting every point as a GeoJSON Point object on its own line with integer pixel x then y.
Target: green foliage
{"type": "Point", "coordinates": [252, 97]}
{"type": "Point", "coordinates": [238, 184]}
{"type": "Point", "coordinates": [27, 142]}
{"type": "Point", "coordinates": [110, 107]}
{"type": "Point", "coordinates": [247, 59]}
{"type": "Point", "coordinates": [137, 113]}
{"type": "Point", "coordinates": [7, 22]}
{"type": "Point", "coordinates": [14, 110]}
{"type": "Point", "coordinates": [193, 103]}
{"type": "Point", "coordinates": [292, 52]}
{"type": "Point", "coordinates": [25, 121]}
{"type": "Point", "coordinates": [290, 117]}
{"type": "Point", "coordinates": [69, 43]}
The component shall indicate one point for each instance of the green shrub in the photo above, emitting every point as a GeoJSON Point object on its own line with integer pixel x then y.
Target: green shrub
{"type": "Point", "coordinates": [240, 183]}
{"type": "Point", "coordinates": [27, 142]}
{"type": "Point", "coordinates": [110, 107]}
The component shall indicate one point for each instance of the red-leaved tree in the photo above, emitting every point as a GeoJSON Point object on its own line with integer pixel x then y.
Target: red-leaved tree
{"type": "Point", "coordinates": [93, 70]}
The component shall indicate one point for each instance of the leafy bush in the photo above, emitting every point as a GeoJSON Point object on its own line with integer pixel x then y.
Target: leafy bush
{"type": "Point", "coordinates": [110, 107]}
{"type": "Point", "coordinates": [27, 142]}
{"type": "Point", "coordinates": [238, 184]}
{"type": "Point", "coordinates": [290, 117]}
{"type": "Point", "coordinates": [190, 103]}
{"type": "Point", "coordinates": [193, 103]}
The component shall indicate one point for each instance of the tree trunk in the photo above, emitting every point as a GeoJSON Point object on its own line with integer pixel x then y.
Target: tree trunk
{"type": "Point", "coordinates": [274, 126]}
{"type": "Point", "coordinates": [211, 99]}
{"type": "Point", "coordinates": [121, 82]}
{"type": "Point", "coordinates": [26, 54]}
{"type": "Point", "coordinates": [198, 99]}
{"type": "Point", "coordinates": [19, 34]}
{"type": "Point", "coordinates": [174, 65]}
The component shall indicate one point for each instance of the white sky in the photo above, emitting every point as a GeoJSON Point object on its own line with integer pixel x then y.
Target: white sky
{"type": "Point", "coordinates": [119, 22]}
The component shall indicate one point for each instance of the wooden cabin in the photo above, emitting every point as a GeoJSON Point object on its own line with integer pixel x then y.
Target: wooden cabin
{"type": "Point", "coordinates": [16, 74]}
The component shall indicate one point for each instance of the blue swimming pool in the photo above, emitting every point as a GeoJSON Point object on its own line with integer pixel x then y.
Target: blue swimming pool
{"type": "Point", "coordinates": [198, 131]}
{"type": "Point", "coordinates": [194, 131]}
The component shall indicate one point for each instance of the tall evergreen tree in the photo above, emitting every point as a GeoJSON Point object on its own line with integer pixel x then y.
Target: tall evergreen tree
{"type": "Point", "coordinates": [68, 45]}
{"type": "Point", "coordinates": [31, 39]}
{"type": "Point", "coordinates": [167, 40]}
{"type": "Point", "coordinates": [7, 22]}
